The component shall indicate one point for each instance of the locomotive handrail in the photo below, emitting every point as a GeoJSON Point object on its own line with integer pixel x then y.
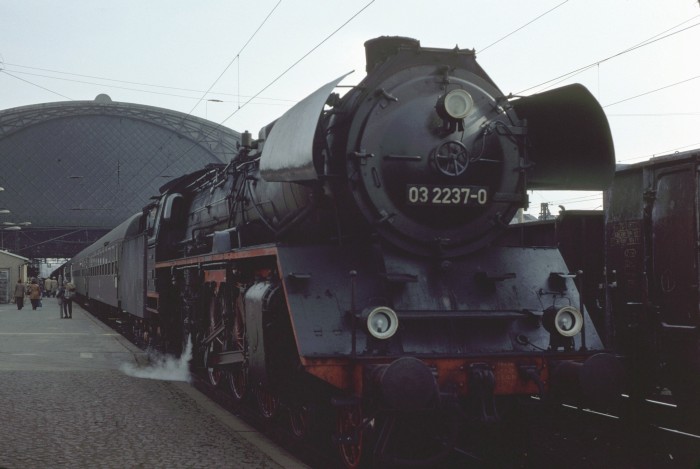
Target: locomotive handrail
{"type": "Point", "coordinates": [392, 156]}
{"type": "Point", "coordinates": [399, 277]}
{"type": "Point", "coordinates": [465, 314]}
{"type": "Point", "coordinates": [678, 327]}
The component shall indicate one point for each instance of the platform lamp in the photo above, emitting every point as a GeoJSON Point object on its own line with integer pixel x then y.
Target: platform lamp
{"type": "Point", "coordinates": [11, 224]}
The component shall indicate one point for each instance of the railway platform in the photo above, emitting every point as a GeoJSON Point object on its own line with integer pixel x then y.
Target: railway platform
{"type": "Point", "coordinates": [65, 401]}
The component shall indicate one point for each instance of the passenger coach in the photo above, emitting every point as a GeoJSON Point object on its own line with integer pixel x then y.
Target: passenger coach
{"type": "Point", "coordinates": [109, 274]}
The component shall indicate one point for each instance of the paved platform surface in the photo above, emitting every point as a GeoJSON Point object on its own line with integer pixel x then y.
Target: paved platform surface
{"type": "Point", "coordinates": [65, 403]}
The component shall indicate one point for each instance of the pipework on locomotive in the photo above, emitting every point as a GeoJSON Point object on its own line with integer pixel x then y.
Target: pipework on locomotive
{"type": "Point", "coordinates": [345, 256]}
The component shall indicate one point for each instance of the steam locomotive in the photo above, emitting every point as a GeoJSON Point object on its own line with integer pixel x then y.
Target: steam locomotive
{"type": "Point", "coordinates": [345, 257]}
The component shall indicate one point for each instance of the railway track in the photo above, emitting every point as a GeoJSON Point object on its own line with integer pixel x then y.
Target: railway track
{"type": "Point", "coordinates": [653, 434]}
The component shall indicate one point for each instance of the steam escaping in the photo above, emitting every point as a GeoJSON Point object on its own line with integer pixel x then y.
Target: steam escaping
{"type": "Point", "coordinates": [163, 367]}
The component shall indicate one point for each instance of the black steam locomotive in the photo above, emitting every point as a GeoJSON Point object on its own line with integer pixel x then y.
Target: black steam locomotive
{"type": "Point", "coordinates": [345, 257]}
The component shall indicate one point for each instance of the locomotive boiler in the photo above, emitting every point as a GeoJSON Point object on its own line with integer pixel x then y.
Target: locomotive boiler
{"type": "Point", "coordinates": [345, 257]}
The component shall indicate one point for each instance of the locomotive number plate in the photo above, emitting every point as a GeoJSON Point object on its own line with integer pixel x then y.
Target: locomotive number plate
{"type": "Point", "coordinates": [417, 194]}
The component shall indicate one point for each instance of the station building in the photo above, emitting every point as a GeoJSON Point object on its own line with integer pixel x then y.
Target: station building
{"type": "Point", "coordinates": [12, 268]}
{"type": "Point", "coordinates": [72, 171]}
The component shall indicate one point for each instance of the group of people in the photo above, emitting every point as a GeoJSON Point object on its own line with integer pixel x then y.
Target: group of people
{"type": "Point", "coordinates": [64, 293]}
{"type": "Point", "coordinates": [50, 287]}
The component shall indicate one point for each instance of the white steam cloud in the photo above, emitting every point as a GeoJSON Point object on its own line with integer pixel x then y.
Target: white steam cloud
{"type": "Point", "coordinates": [163, 367]}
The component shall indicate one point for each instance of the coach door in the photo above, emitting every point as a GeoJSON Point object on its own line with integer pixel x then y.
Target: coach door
{"type": "Point", "coordinates": [5, 286]}
{"type": "Point", "coordinates": [674, 244]}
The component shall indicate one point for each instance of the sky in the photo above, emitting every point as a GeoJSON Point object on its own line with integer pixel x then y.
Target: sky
{"type": "Point", "coordinates": [244, 63]}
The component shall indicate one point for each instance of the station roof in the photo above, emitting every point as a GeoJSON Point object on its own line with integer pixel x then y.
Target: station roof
{"type": "Point", "coordinates": [89, 165]}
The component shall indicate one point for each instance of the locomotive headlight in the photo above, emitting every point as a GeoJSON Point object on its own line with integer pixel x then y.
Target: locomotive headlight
{"type": "Point", "coordinates": [567, 321]}
{"type": "Point", "coordinates": [457, 104]}
{"type": "Point", "coordinates": [382, 322]}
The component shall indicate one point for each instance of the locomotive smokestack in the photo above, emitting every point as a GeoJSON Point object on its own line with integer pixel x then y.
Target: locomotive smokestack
{"type": "Point", "coordinates": [379, 49]}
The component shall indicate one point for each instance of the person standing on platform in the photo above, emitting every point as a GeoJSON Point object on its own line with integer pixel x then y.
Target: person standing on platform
{"type": "Point", "coordinates": [47, 287]}
{"type": "Point", "coordinates": [68, 300]}
{"type": "Point", "coordinates": [34, 293]}
{"type": "Point", "coordinates": [60, 296]}
{"type": "Point", "coordinates": [19, 294]}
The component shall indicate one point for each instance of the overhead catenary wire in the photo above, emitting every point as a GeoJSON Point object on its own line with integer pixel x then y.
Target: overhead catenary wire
{"type": "Point", "coordinates": [207, 133]}
{"type": "Point", "coordinates": [299, 60]}
{"type": "Point", "coordinates": [199, 99]}
{"type": "Point", "coordinates": [647, 42]}
{"type": "Point", "coordinates": [93, 77]}
{"type": "Point", "coordinates": [653, 114]}
{"type": "Point", "coordinates": [257, 97]}
{"type": "Point", "coordinates": [523, 26]}
{"type": "Point", "coordinates": [578, 71]}
{"type": "Point", "coordinates": [576, 200]}
{"type": "Point", "coordinates": [652, 91]}
{"type": "Point", "coordinates": [275, 79]}
{"type": "Point", "coordinates": [653, 39]}
{"type": "Point", "coordinates": [283, 102]}
{"type": "Point", "coordinates": [237, 56]}
{"type": "Point", "coordinates": [661, 153]}
{"type": "Point", "coordinates": [34, 84]}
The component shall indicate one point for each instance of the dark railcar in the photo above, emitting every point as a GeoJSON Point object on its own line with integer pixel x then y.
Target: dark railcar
{"type": "Point", "coordinates": [652, 240]}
